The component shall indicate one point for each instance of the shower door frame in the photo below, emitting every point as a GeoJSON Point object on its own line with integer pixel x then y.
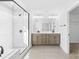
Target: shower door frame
{"type": "Point", "coordinates": [28, 18]}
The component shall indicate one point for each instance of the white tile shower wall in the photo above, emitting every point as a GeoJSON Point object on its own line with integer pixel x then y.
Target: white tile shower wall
{"type": "Point", "coordinates": [5, 27]}
{"type": "Point", "coordinates": [19, 22]}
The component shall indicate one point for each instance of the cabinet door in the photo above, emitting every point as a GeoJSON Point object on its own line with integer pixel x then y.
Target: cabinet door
{"type": "Point", "coordinates": [57, 38]}
{"type": "Point", "coordinates": [39, 38]}
{"type": "Point", "coordinates": [51, 39]}
{"type": "Point", "coordinates": [34, 39]}
{"type": "Point", "coordinates": [43, 38]}
{"type": "Point", "coordinates": [47, 38]}
{"type": "Point", "coordinates": [54, 39]}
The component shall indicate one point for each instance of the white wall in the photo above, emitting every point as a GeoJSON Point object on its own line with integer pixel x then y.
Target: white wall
{"type": "Point", "coordinates": [46, 5]}
{"type": "Point", "coordinates": [74, 28]}
{"type": "Point", "coordinates": [64, 30]}
{"type": "Point", "coordinates": [37, 23]}
{"type": "Point", "coordinates": [5, 27]}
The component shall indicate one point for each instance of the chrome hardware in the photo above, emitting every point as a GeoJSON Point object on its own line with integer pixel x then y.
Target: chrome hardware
{"type": "Point", "coordinates": [1, 50]}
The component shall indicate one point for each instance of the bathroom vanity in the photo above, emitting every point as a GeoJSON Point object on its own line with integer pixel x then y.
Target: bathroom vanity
{"type": "Point", "coordinates": [45, 38]}
{"type": "Point", "coordinates": [45, 29]}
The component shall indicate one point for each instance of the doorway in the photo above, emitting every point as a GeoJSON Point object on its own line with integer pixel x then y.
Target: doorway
{"type": "Point", "coordinates": [74, 30]}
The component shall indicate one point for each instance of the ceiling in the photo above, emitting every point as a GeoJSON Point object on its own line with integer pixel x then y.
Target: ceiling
{"type": "Point", "coordinates": [75, 11]}
{"type": "Point", "coordinates": [11, 6]}
{"type": "Point", "coordinates": [56, 6]}
{"type": "Point", "coordinates": [45, 6]}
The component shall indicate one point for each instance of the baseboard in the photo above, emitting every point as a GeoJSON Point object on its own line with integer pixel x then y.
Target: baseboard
{"type": "Point", "coordinates": [74, 43]}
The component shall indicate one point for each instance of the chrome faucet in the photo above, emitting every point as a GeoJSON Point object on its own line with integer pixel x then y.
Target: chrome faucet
{"type": "Point", "coordinates": [1, 50]}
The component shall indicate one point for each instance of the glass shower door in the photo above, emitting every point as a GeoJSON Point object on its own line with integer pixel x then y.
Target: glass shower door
{"type": "Point", "coordinates": [20, 28]}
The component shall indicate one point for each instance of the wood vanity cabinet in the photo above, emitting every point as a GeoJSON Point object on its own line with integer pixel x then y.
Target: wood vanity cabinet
{"type": "Point", "coordinates": [54, 39]}
{"type": "Point", "coordinates": [39, 39]}
{"type": "Point", "coordinates": [34, 39]}
{"type": "Point", "coordinates": [45, 39]}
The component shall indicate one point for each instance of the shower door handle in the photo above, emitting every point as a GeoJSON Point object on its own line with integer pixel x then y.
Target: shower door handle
{"type": "Point", "coordinates": [1, 50]}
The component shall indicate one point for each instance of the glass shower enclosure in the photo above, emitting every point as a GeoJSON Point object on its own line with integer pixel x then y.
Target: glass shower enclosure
{"type": "Point", "coordinates": [14, 27]}
{"type": "Point", "coordinates": [20, 27]}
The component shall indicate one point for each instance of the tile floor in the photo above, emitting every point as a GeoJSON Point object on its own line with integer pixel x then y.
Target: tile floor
{"type": "Point", "coordinates": [49, 52]}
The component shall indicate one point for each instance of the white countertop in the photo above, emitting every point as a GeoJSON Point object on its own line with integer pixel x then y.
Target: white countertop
{"type": "Point", "coordinates": [44, 33]}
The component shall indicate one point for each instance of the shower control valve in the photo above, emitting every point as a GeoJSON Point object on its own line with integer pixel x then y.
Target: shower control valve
{"type": "Point", "coordinates": [20, 31]}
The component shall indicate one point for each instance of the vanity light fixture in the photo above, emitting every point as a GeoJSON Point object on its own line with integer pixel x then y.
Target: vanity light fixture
{"type": "Point", "coordinates": [52, 16]}
{"type": "Point", "coordinates": [37, 17]}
